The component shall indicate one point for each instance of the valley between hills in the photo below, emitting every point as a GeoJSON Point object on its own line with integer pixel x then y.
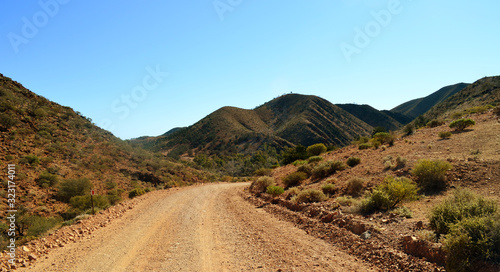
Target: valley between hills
{"type": "Point", "coordinates": [296, 184]}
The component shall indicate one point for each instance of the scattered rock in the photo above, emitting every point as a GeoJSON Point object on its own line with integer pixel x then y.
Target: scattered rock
{"type": "Point", "coordinates": [366, 235]}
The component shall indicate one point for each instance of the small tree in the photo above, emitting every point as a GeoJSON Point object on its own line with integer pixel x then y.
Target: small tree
{"type": "Point", "coordinates": [462, 124]}
{"type": "Point", "coordinates": [316, 149]}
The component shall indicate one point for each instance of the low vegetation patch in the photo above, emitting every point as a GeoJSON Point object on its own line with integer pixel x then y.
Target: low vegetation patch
{"type": "Point", "coordinates": [316, 149]}
{"type": "Point", "coordinates": [260, 185]}
{"type": "Point", "coordinates": [391, 192]}
{"type": "Point", "coordinates": [431, 175]}
{"type": "Point", "coordinates": [328, 168]}
{"type": "Point", "coordinates": [294, 179]}
{"type": "Point", "coordinates": [462, 124]}
{"type": "Point", "coordinates": [435, 123]}
{"type": "Point", "coordinates": [275, 190]}
{"type": "Point", "coordinates": [136, 192]}
{"type": "Point", "coordinates": [471, 225]}
{"type": "Point", "coordinates": [353, 161]}
{"type": "Point", "coordinates": [365, 146]}
{"type": "Point", "coordinates": [462, 205]}
{"type": "Point", "coordinates": [47, 179]}
{"type": "Point", "coordinates": [73, 187]}
{"type": "Point", "coordinates": [444, 134]}
{"type": "Point", "coordinates": [328, 188]}
{"type": "Point", "coordinates": [314, 159]}
{"type": "Point", "coordinates": [355, 186]}
{"type": "Point", "coordinates": [263, 172]}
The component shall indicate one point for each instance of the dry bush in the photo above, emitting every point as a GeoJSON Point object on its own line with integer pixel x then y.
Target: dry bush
{"type": "Point", "coordinates": [260, 185]}
{"type": "Point", "coordinates": [355, 186]}
{"type": "Point", "coordinates": [431, 175]}
{"type": "Point", "coordinates": [294, 179]}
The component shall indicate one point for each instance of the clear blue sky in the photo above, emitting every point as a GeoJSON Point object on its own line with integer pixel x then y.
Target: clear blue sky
{"type": "Point", "coordinates": [143, 67]}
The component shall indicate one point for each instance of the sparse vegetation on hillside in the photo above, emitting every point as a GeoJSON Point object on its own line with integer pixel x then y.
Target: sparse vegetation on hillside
{"type": "Point", "coordinates": [326, 169]}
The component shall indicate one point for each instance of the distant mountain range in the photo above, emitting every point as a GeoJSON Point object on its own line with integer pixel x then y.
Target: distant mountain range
{"type": "Point", "coordinates": [305, 119]}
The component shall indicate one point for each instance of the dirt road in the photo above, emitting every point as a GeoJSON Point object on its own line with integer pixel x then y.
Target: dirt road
{"type": "Point", "coordinates": [201, 228]}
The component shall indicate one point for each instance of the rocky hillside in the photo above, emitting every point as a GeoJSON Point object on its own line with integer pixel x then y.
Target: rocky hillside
{"type": "Point", "coordinates": [482, 93]}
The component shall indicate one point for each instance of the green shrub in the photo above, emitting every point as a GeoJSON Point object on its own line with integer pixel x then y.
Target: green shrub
{"type": "Point", "coordinates": [7, 121]}
{"type": "Point", "coordinates": [294, 179]}
{"type": "Point", "coordinates": [404, 212]}
{"type": "Point", "coordinates": [47, 179]}
{"type": "Point", "coordinates": [73, 187]}
{"type": "Point", "coordinates": [362, 140]}
{"type": "Point", "coordinates": [327, 168]}
{"type": "Point", "coordinates": [378, 130]}
{"type": "Point", "coordinates": [462, 205]}
{"type": "Point", "coordinates": [136, 192]}
{"type": "Point", "coordinates": [299, 162]}
{"type": "Point", "coordinates": [114, 197]}
{"type": "Point", "coordinates": [260, 185]}
{"type": "Point", "coordinates": [435, 123]}
{"type": "Point", "coordinates": [84, 202]}
{"type": "Point", "coordinates": [353, 161]}
{"type": "Point", "coordinates": [462, 124]}
{"type": "Point", "coordinates": [30, 159]}
{"type": "Point", "coordinates": [364, 146]}
{"type": "Point", "coordinates": [409, 129]}
{"type": "Point", "coordinates": [316, 149]}
{"type": "Point", "coordinates": [496, 111]}
{"type": "Point", "coordinates": [444, 134]}
{"type": "Point", "coordinates": [263, 172]}
{"type": "Point", "coordinates": [328, 188]}
{"type": "Point", "coordinates": [306, 168]}
{"type": "Point", "coordinates": [38, 225]}
{"type": "Point", "coordinates": [384, 138]}
{"type": "Point", "coordinates": [354, 186]}
{"type": "Point", "coordinates": [391, 192]}
{"type": "Point", "coordinates": [275, 190]}
{"type": "Point", "coordinates": [314, 159]}
{"type": "Point", "coordinates": [400, 162]}
{"type": "Point", "coordinates": [292, 192]}
{"type": "Point", "coordinates": [431, 175]}
{"type": "Point", "coordinates": [310, 196]}
{"type": "Point", "coordinates": [472, 241]}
